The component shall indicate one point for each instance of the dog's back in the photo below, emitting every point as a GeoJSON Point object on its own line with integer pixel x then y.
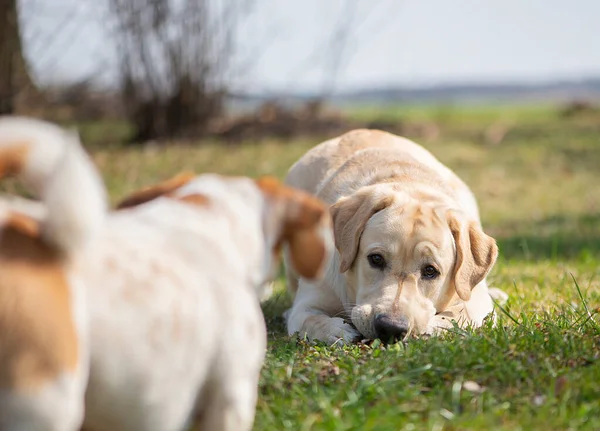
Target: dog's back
{"type": "Point", "coordinates": [177, 331]}
{"type": "Point", "coordinates": [170, 304]}
{"type": "Point", "coordinates": [323, 160]}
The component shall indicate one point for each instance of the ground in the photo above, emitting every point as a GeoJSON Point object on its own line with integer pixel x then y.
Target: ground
{"type": "Point", "coordinates": [538, 369]}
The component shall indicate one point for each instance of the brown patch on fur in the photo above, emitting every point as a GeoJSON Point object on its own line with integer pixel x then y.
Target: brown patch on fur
{"type": "Point", "coordinates": [150, 193]}
{"type": "Point", "coordinates": [195, 199]}
{"type": "Point", "coordinates": [308, 208]}
{"type": "Point", "coordinates": [38, 340]}
{"type": "Point", "coordinates": [24, 224]}
{"type": "Point", "coordinates": [302, 219]}
{"type": "Point", "coordinates": [476, 253]}
{"type": "Point", "coordinates": [12, 159]}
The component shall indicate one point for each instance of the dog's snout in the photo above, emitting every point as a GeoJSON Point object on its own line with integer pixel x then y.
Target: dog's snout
{"type": "Point", "coordinates": [390, 329]}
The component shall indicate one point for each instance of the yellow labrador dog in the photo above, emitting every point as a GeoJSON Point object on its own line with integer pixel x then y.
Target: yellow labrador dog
{"type": "Point", "coordinates": [411, 253]}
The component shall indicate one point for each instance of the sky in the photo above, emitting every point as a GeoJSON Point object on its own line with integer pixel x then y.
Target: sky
{"type": "Point", "coordinates": [287, 44]}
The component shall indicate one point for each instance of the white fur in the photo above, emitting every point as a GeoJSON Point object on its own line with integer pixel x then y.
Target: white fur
{"type": "Point", "coordinates": [177, 332]}
{"type": "Point", "coordinates": [31, 208]}
{"type": "Point", "coordinates": [177, 329]}
{"type": "Point", "coordinates": [57, 406]}
{"type": "Point", "coordinates": [58, 171]}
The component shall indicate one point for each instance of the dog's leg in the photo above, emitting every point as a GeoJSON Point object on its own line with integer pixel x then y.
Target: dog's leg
{"type": "Point", "coordinates": [499, 296]}
{"type": "Point", "coordinates": [229, 406]}
{"type": "Point", "coordinates": [266, 291]}
{"type": "Point", "coordinates": [480, 305]}
{"type": "Point", "coordinates": [291, 277]}
{"type": "Point", "coordinates": [468, 313]}
{"type": "Point", "coordinates": [314, 315]}
{"type": "Point", "coordinates": [442, 322]}
{"type": "Point", "coordinates": [292, 282]}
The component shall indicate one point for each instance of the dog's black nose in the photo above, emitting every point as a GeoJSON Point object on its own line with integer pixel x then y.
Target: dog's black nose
{"type": "Point", "coordinates": [390, 329]}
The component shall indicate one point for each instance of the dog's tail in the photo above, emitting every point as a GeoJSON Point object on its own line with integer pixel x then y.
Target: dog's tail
{"type": "Point", "coordinates": [52, 163]}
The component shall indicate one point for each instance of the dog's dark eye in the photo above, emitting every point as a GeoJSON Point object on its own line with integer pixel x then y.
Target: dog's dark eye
{"type": "Point", "coordinates": [376, 261]}
{"type": "Point", "coordinates": [429, 272]}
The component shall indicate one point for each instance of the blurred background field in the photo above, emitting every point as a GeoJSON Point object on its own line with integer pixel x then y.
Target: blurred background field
{"type": "Point", "coordinates": [506, 93]}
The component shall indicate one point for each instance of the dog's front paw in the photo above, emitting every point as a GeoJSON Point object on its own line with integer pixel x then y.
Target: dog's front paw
{"type": "Point", "coordinates": [439, 324]}
{"type": "Point", "coordinates": [332, 330]}
{"type": "Point", "coordinates": [341, 333]}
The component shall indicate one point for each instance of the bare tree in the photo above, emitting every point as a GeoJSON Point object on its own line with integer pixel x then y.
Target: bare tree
{"type": "Point", "coordinates": [15, 81]}
{"type": "Point", "coordinates": [174, 56]}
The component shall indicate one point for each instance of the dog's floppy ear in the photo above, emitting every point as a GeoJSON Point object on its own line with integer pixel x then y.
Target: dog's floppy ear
{"type": "Point", "coordinates": [301, 222]}
{"type": "Point", "coordinates": [476, 254]}
{"type": "Point", "coordinates": [152, 192]}
{"type": "Point", "coordinates": [350, 215]}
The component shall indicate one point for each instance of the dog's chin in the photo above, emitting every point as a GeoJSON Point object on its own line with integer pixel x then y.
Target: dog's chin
{"type": "Point", "coordinates": [363, 318]}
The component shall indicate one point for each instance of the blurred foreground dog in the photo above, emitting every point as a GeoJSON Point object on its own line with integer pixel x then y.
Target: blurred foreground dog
{"type": "Point", "coordinates": [411, 253]}
{"type": "Point", "coordinates": [44, 350]}
{"type": "Point", "coordinates": [31, 208]}
{"type": "Point", "coordinates": [159, 298]}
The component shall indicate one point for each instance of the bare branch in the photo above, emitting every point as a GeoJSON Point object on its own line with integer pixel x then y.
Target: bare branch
{"type": "Point", "coordinates": [173, 56]}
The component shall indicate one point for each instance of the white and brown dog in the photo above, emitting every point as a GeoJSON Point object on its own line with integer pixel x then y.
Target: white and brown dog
{"type": "Point", "coordinates": [411, 253]}
{"type": "Point", "coordinates": [159, 298]}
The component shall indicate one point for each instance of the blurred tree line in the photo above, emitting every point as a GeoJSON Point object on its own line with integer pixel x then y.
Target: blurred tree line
{"type": "Point", "coordinates": [172, 56]}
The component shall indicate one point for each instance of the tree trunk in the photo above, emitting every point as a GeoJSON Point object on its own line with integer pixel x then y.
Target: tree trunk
{"type": "Point", "coordinates": [15, 82]}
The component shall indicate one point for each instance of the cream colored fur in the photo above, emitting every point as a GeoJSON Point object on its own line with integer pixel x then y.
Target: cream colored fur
{"type": "Point", "coordinates": [390, 196]}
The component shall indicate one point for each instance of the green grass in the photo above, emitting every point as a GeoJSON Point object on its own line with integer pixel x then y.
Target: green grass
{"type": "Point", "coordinates": [538, 369]}
{"type": "Point", "coordinates": [531, 375]}
{"type": "Point", "coordinates": [458, 115]}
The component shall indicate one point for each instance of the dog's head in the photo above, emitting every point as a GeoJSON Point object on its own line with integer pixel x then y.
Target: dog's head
{"type": "Point", "coordinates": [287, 217]}
{"type": "Point", "coordinates": [406, 260]}
{"type": "Point", "coordinates": [299, 221]}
